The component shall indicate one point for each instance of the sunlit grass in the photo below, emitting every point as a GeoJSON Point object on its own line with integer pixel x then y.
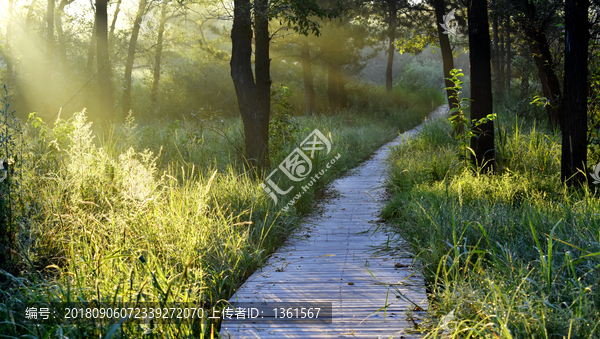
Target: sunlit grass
{"type": "Point", "coordinates": [159, 212]}
{"type": "Point", "coordinates": [513, 255]}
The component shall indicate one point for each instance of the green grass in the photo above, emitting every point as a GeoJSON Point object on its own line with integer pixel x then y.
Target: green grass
{"type": "Point", "coordinates": [161, 212]}
{"type": "Point", "coordinates": [512, 255]}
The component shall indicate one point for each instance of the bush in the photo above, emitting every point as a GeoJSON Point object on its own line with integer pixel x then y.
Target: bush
{"type": "Point", "coordinates": [417, 75]}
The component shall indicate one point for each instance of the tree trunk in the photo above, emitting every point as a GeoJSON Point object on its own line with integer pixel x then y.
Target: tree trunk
{"type": "Point", "coordinates": [496, 62]}
{"type": "Point", "coordinates": [262, 66]}
{"type": "Point", "coordinates": [392, 11]}
{"type": "Point", "coordinates": [508, 50]}
{"type": "Point", "coordinates": [333, 89]}
{"type": "Point", "coordinates": [105, 93]}
{"type": "Point", "coordinates": [343, 94]}
{"type": "Point", "coordinates": [252, 109]}
{"type": "Point", "coordinates": [50, 32]}
{"type": "Point", "coordinates": [158, 56]}
{"type": "Point", "coordinates": [524, 84]}
{"type": "Point", "coordinates": [62, 44]}
{"type": "Point", "coordinates": [309, 90]}
{"type": "Point", "coordinates": [62, 49]}
{"type": "Point", "coordinates": [447, 58]}
{"type": "Point", "coordinates": [574, 135]}
{"type": "Point", "coordinates": [49, 55]}
{"type": "Point", "coordinates": [481, 84]}
{"type": "Point", "coordinates": [9, 54]}
{"type": "Point", "coordinates": [126, 104]}
{"type": "Point", "coordinates": [501, 58]}
{"type": "Point", "coordinates": [91, 54]}
{"type": "Point", "coordinates": [29, 16]}
{"type": "Point", "coordinates": [544, 64]}
{"type": "Point", "coordinates": [111, 34]}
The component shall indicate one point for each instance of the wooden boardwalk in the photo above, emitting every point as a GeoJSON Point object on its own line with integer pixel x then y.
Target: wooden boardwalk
{"type": "Point", "coordinates": [333, 258]}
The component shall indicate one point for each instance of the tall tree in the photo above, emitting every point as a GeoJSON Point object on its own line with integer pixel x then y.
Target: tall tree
{"type": "Point", "coordinates": [49, 53]}
{"type": "Point", "coordinates": [102, 58]}
{"type": "Point", "coordinates": [446, 49]}
{"type": "Point", "coordinates": [253, 91]}
{"type": "Point", "coordinates": [113, 24]}
{"type": "Point", "coordinates": [481, 84]}
{"type": "Point", "coordinates": [9, 52]}
{"type": "Point", "coordinates": [91, 53]}
{"type": "Point", "coordinates": [29, 16]}
{"type": "Point", "coordinates": [262, 66]}
{"type": "Point", "coordinates": [335, 86]}
{"type": "Point", "coordinates": [158, 55]}
{"type": "Point", "coordinates": [342, 46]}
{"type": "Point", "coordinates": [574, 132]}
{"type": "Point", "coordinates": [309, 90]}
{"type": "Point", "coordinates": [50, 31]}
{"type": "Point", "coordinates": [392, 25]}
{"type": "Point", "coordinates": [508, 49]}
{"type": "Point", "coordinates": [126, 104]}
{"type": "Point", "coordinates": [111, 35]}
{"type": "Point", "coordinates": [62, 44]}
{"type": "Point", "coordinates": [496, 60]}
{"type": "Point", "coordinates": [397, 23]}
{"type": "Point", "coordinates": [253, 115]}
{"type": "Point", "coordinates": [534, 30]}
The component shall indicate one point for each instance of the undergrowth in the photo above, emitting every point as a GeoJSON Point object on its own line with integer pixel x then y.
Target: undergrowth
{"type": "Point", "coordinates": [157, 212]}
{"type": "Point", "coordinates": [512, 255]}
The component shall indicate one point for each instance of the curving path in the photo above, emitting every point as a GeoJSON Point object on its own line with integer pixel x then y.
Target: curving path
{"type": "Point", "coordinates": [334, 258]}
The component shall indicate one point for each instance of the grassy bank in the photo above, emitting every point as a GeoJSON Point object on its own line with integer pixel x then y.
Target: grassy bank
{"type": "Point", "coordinates": [514, 255]}
{"type": "Point", "coordinates": [159, 212]}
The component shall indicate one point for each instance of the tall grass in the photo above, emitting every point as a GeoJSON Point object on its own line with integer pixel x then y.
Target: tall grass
{"type": "Point", "coordinates": [156, 213]}
{"type": "Point", "coordinates": [513, 255]}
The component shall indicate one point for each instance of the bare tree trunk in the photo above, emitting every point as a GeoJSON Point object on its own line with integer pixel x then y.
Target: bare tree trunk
{"type": "Point", "coordinates": [309, 90]}
{"type": "Point", "coordinates": [9, 54]}
{"type": "Point", "coordinates": [105, 93]}
{"type": "Point", "coordinates": [262, 65]}
{"type": "Point", "coordinates": [126, 104]}
{"type": "Point", "coordinates": [508, 51]}
{"type": "Point", "coordinates": [50, 32]}
{"type": "Point", "coordinates": [447, 58]}
{"type": "Point", "coordinates": [29, 16]}
{"type": "Point", "coordinates": [62, 49]}
{"type": "Point", "coordinates": [574, 136]}
{"type": "Point", "coordinates": [524, 84]}
{"type": "Point", "coordinates": [158, 56]}
{"type": "Point", "coordinates": [543, 60]}
{"type": "Point", "coordinates": [62, 45]}
{"type": "Point", "coordinates": [481, 85]}
{"type": "Point", "coordinates": [392, 11]}
{"type": "Point", "coordinates": [501, 58]}
{"type": "Point", "coordinates": [49, 55]}
{"type": "Point", "coordinates": [111, 34]}
{"type": "Point", "coordinates": [91, 54]}
{"type": "Point", "coordinates": [252, 110]}
{"type": "Point", "coordinates": [333, 94]}
{"type": "Point", "coordinates": [497, 83]}
{"type": "Point", "coordinates": [343, 94]}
